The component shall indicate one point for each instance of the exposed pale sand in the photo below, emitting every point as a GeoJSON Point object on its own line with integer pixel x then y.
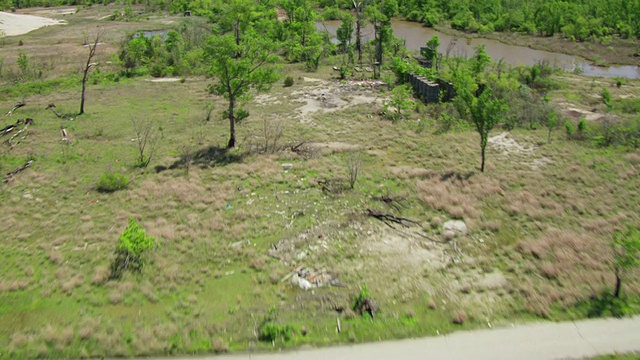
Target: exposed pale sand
{"type": "Point", "coordinates": [18, 24]}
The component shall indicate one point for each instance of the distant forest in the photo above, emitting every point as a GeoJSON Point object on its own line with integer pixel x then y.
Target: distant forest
{"type": "Point", "coordinates": [578, 20]}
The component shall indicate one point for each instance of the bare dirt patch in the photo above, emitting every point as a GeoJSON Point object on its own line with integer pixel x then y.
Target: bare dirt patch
{"type": "Point", "coordinates": [18, 24]}
{"type": "Point", "coordinates": [576, 113]}
{"type": "Point", "coordinates": [266, 99]}
{"type": "Point", "coordinates": [512, 149]}
{"type": "Point", "coordinates": [326, 96]}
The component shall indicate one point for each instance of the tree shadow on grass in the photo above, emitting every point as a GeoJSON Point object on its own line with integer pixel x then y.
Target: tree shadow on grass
{"type": "Point", "coordinates": [205, 158]}
{"type": "Point", "coordinates": [454, 175]}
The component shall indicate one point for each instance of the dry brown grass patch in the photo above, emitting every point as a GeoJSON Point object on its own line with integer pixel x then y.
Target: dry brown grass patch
{"type": "Point", "coordinates": [633, 158]}
{"type": "Point", "coordinates": [459, 317]}
{"type": "Point", "coordinates": [578, 264]}
{"type": "Point", "coordinates": [458, 195]}
{"type": "Point", "coordinates": [55, 257]}
{"type": "Point", "coordinates": [534, 206]}
{"type": "Point", "coordinates": [219, 346]}
{"type": "Point", "coordinates": [100, 275]}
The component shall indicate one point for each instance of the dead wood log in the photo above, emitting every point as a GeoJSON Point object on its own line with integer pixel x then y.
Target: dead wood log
{"type": "Point", "coordinates": [397, 203]}
{"type": "Point", "coordinates": [15, 107]}
{"type": "Point", "coordinates": [10, 175]}
{"type": "Point", "coordinates": [9, 128]}
{"type": "Point", "coordinates": [52, 107]}
{"type": "Point", "coordinates": [389, 219]}
{"type": "Point", "coordinates": [27, 122]}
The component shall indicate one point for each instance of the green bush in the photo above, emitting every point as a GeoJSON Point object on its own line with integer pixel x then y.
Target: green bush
{"type": "Point", "coordinates": [288, 81]}
{"type": "Point", "coordinates": [132, 245]}
{"type": "Point", "coordinates": [110, 182]}
{"type": "Point", "coordinates": [271, 332]}
{"type": "Point", "coordinates": [332, 13]}
{"type": "Point", "coordinates": [582, 126]}
{"type": "Point", "coordinates": [570, 129]}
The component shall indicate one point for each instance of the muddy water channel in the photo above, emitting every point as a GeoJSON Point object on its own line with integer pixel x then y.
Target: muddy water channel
{"type": "Point", "coordinates": [417, 35]}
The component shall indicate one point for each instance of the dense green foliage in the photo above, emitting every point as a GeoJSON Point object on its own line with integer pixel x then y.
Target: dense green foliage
{"type": "Point", "coordinates": [575, 19]}
{"type": "Point", "coordinates": [176, 52]}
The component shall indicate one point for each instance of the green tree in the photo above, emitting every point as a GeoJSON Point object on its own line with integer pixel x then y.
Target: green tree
{"type": "Point", "coordinates": [480, 60]}
{"type": "Point", "coordinates": [359, 7]}
{"type": "Point", "coordinates": [431, 51]}
{"type": "Point", "coordinates": [134, 53]}
{"type": "Point", "coordinates": [23, 63]}
{"type": "Point", "coordinates": [237, 75]}
{"type": "Point", "coordinates": [400, 101]}
{"type": "Point", "coordinates": [626, 251]}
{"type": "Point", "coordinates": [345, 32]}
{"type": "Point", "coordinates": [477, 103]}
{"type": "Point", "coordinates": [380, 14]}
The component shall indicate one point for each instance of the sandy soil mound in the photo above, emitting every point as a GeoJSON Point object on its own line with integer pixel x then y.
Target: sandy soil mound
{"type": "Point", "coordinates": [18, 24]}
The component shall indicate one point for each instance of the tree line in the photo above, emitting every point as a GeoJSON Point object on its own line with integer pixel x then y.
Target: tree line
{"type": "Point", "coordinates": [573, 19]}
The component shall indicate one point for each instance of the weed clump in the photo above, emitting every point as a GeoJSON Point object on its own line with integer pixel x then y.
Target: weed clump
{"type": "Point", "coordinates": [459, 317]}
{"type": "Point", "coordinates": [364, 303]}
{"type": "Point", "coordinates": [110, 182]}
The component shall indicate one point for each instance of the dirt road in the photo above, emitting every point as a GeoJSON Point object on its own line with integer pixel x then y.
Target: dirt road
{"type": "Point", "coordinates": [567, 340]}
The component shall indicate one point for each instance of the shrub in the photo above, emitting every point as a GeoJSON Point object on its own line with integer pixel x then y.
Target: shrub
{"type": "Point", "coordinates": [110, 182]}
{"type": "Point", "coordinates": [288, 81]}
{"type": "Point", "coordinates": [582, 129]}
{"type": "Point", "coordinates": [132, 245]}
{"type": "Point", "coordinates": [271, 332]}
{"type": "Point", "coordinates": [570, 129]}
{"type": "Point", "coordinates": [363, 302]}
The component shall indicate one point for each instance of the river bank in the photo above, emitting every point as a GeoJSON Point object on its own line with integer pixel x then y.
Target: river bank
{"type": "Point", "coordinates": [616, 52]}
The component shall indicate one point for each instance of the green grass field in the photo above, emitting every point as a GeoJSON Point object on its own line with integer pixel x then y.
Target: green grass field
{"type": "Point", "coordinates": [232, 224]}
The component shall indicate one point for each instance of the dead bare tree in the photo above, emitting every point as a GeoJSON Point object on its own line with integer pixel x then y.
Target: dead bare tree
{"type": "Point", "coordinates": [92, 52]}
{"type": "Point", "coordinates": [147, 140]}
{"type": "Point", "coordinates": [354, 162]}
{"type": "Point", "coordinates": [271, 133]}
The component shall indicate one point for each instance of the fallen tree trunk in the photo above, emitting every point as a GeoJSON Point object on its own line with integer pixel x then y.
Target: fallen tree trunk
{"type": "Point", "coordinates": [15, 107]}
{"type": "Point", "coordinates": [27, 122]}
{"type": "Point", "coordinates": [389, 219]}
{"type": "Point", "coordinates": [52, 107]}
{"type": "Point", "coordinates": [10, 175]}
{"type": "Point", "coordinates": [9, 128]}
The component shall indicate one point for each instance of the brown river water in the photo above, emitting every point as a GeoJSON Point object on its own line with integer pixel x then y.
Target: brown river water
{"type": "Point", "coordinates": [416, 35]}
